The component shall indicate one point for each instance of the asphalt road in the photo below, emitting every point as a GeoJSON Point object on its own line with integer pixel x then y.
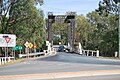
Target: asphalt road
{"type": "Point", "coordinates": [106, 77]}
{"type": "Point", "coordinates": [62, 62]}
{"type": "Point", "coordinates": [75, 58]}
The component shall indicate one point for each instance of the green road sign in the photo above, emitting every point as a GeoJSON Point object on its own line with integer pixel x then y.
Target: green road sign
{"type": "Point", "coordinates": [20, 47]}
{"type": "Point", "coordinates": [17, 48]}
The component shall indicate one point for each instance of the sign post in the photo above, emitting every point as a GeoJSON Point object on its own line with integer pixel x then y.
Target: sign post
{"type": "Point", "coordinates": [7, 39]}
{"type": "Point", "coordinates": [30, 46]}
{"type": "Point", "coordinates": [26, 49]}
{"type": "Point", "coordinates": [20, 48]}
{"type": "Point", "coordinates": [35, 46]}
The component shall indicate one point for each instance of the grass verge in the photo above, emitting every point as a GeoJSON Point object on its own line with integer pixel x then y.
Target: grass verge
{"type": "Point", "coordinates": [14, 62]}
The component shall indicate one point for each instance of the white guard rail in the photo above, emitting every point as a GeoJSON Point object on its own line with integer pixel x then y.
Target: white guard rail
{"type": "Point", "coordinates": [31, 54]}
{"type": "Point", "coordinates": [4, 60]}
{"type": "Point", "coordinates": [91, 53]}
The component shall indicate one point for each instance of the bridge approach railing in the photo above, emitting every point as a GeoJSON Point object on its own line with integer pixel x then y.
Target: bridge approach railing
{"type": "Point", "coordinates": [90, 53]}
{"type": "Point", "coordinates": [4, 60]}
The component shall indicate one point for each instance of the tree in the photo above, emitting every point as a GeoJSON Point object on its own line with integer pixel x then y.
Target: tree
{"type": "Point", "coordinates": [110, 39]}
{"type": "Point", "coordinates": [40, 2]}
{"type": "Point", "coordinates": [60, 31]}
{"type": "Point", "coordinates": [7, 6]}
{"type": "Point", "coordinates": [107, 6]}
{"type": "Point", "coordinates": [109, 9]}
{"type": "Point", "coordinates": [31, 26]}
{"type": "Point", "coordinates": [25, 21]}
{"type": "Point", "coordinates": [82, 30]}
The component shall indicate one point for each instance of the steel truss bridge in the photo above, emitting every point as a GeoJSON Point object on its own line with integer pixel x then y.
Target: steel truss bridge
{"type": "Point", "coordinates": [69, 18]}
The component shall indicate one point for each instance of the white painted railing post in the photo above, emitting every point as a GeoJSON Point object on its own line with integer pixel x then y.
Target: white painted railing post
{"type": "Point", "coordinates": [97, 55]}
{"type": "Point", "coordinates": [87, 53]}
{"type": "Point", "coordinates": [92, 53]}
{"type": "Point", "coordinates": [0, 62]}
{"type": "Point", "coordinates": [5, 60]}
{"type": "Point", "coordinates": [83, 52]}
{"type": "Point", "coordinates": [116, 54]}
{"type": "Point", "coordinates": [9, 59]}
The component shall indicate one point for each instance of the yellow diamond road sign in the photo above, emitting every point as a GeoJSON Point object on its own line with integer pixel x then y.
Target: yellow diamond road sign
{"type": "Point", "coordinates": [30, 45]}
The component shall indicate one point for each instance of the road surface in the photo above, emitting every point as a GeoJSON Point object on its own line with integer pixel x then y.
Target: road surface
{"type": "Point", "coordinates": [62, 63]}
{"type": "Point", "coordinates": [107, 77]}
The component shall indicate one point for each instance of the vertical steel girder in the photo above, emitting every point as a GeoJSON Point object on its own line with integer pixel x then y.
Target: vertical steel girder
{"type": "Point", "coordinates": [70, 20]}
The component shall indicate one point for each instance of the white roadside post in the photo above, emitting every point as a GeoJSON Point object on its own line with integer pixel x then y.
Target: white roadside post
{"type": "Point", "coordinates": [87, 52]}
{"type": "Point", "coordinates": [48, 44]}
{"type": "Point", "coordinates": [116, 54]}
{"type": "Point", "coordinates": [2, 61]}
{"type": "Point", "coordinates": [92, 53]}
{"type": "Point", "coordinates": [97, 55]}
{"type": "Point", "coordinates": [80, 48]}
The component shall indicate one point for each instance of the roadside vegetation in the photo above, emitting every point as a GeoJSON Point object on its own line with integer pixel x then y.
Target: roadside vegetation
{"type": "Point", "coordinates": [24, 19]}
{"type": "Point", "coordinates": [98, 30]}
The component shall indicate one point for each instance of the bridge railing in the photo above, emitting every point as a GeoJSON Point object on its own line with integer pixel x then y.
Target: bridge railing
{"type": "Point", "coordinates": [45, 52]}
{"type": "Point", "coordinates": [91, 53]}
{"type": "Point", "coordinates": [31, 54]}
{"type": "Point", "coordinates": [4, 60]}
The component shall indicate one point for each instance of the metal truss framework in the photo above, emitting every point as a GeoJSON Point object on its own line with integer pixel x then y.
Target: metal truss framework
{"type": "Point", "coordinates": [69, 18]}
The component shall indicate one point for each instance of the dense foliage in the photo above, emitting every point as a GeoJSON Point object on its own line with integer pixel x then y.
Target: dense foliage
{"type": "Point", "coordinates": [99, 30]}
{"type": "Point", "coordinates": [60, 31]}
{"type": "Point", "coordinates": [22, 18]}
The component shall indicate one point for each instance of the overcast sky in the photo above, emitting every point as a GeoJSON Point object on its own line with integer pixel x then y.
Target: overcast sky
{"type": "Point", "coordinates": [62, 6]}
